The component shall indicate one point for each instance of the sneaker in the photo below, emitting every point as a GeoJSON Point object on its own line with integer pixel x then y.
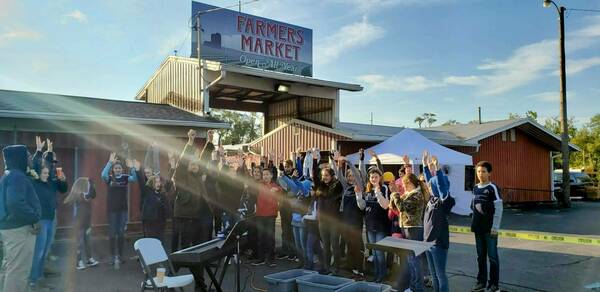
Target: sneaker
{"type": "Point", "coordinates": [478, 287]}
{"type": "Point", "coordinates": [117, 263]}
{"type": "Point", "coordinates": [428, 281]}
{"type": "Point", "coordinates": [258, 263]}
{"type": "Point", "coordinates": [92, 262]}
{"type": "Point", "coordinates": [80, 265]}
{"type": "Point", "coordinates": [292, 258]}
{"type": "Point", "coordinates": [271, 264]}
{"type": "Point", "coordinates": [494, 288]}
{"type": "Point", "coordinates": [281, 257]}
{"type": "Point", "coordinates": [370, 259]}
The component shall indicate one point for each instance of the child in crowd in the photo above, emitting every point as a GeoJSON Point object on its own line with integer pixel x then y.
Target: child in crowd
{"type": "Point", "coordinates": [81, 196]}
{"type": "Point", "coordinates": [487, 215]}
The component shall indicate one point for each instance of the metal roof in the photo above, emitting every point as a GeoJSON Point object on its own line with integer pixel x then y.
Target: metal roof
{"type": "Point", "coordinates": [475, 132]}
{"type": "Point", "coordinates": [47, 106]}
{"type": "Point", "coordinates": [218, 66]}
{"type": "Point", "coordinates": [378, 133]}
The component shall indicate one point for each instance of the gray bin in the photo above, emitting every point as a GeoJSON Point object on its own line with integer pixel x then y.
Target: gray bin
{"type": "Point", "coordinates": [321, 283]}
{"type": "Point", "coordinates": [365, 287]}
{"type": "Point", "coordinates": [285, 281]}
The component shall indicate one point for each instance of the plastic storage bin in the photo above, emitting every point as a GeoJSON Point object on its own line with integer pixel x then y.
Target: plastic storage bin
{"type": "Point", "coordinates": [321, 283]}
{"type": "Point", "coordinates": [365, 287]}
{"type": "Point", "coordinates": [285, 281]}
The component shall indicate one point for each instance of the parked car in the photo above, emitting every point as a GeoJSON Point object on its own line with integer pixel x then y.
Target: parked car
{"type": "Point", "coordinates": [582, 184]}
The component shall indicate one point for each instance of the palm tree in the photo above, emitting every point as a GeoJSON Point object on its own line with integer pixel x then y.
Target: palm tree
{"type": "Point", "coordinates": [419, 120]}
{"type": "Point", "coordinates": [430, 118]}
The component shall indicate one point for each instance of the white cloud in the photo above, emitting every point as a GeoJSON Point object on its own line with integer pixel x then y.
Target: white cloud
{"type": "Point", "coordinates": [397, 83]}
{"type": "Point", "coordinates": [354, 35]}
{"type": "Point", "coordinates": [463, 80]}
{"type": "Point", "coordinates": [551, 96]}
{"type": "Point", "coordinates": [576, 66]}
{"type": "Point", "coordinates": [76, 15]}
{"type": "Point", "coordinates": [18, 34]}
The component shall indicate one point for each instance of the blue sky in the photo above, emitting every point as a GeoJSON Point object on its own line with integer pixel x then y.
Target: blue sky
{"type": "Point", "coordinates": [412, 56]}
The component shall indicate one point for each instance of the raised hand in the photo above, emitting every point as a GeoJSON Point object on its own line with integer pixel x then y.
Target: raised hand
{"type": "Point", "coordinates": [128, 163]}
{"type": "Point", "coordinates": [372, 153]}
{"type": "Point", "coordinates": [50, 145]}
{"type": "Point", "coordinates": [113, 157]}
{"type": "Point", "coordinates": [425, 158]}
{"type": "Point", "coordinates": [377, 188]}
{"type": "Point", "coordinates": [336, 155]}
{"type": "Point", "coordinates": [435, 161]}
{"type": "Point", "coordinates": [357, 189]}
{"type": "Point", "coordinates": [39, 144]}
{"type": "Point", "coordinates": [192, 135]}
{"type": "Point", "coordinates": [136, 164]}
{"type": "Point", "coordinates": [406, 160]}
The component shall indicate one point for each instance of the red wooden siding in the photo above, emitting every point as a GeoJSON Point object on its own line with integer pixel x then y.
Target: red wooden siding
{"type": "Point", "coordinates": [520, 168]}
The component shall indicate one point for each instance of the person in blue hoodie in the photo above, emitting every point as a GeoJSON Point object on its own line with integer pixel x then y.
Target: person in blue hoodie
{"type": "Point", "coordinates": [20, 213]}
{"type": "Point", "coordinates": [300, 207]}
{"type": "Point", "coordinates": [47, 185]}
{"type": "Point", "coordinates": [435, 222]}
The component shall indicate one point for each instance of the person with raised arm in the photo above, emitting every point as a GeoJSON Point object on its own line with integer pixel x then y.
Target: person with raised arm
{"type": "Point", "coordinates": [352, 215]}
{"type": "Point", "coordinates": [410, 205]}
{"type": "Point", "coordinates": [266, 213]}
{"type": "Point", "coordinates": [117, 207]}
{"type": "Point", "coordinates": [329, 192]}
{"type": "Point", "coordinates": [435, 222]}
{"type": "Point", "coordinates": [374, 200]}
{"type": "Point", "coordinates": [47, 186]}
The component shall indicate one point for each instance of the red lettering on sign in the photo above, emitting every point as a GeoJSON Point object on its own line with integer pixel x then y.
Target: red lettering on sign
{"type": "Point", "coordinates": [260, 28]}
{"type": "Point", "coordinates": [258, 47]}
{"type": "Point", "coordinates": [240, 22]}
{"type": "Point", "coordinates": [246, 43]}
{"type": "Point", "coordinates": [249, 26]}
{"type": "Point", "coordinates": [279, 50]}
{"type": "Point", "coordinates": [268, 47]}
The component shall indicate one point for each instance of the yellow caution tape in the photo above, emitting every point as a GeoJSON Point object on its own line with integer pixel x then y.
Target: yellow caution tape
{"type": "Point", "coordinates": [538, 236]}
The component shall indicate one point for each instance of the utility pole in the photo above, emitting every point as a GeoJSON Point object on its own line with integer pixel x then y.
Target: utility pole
{"type": "Point", "coordinates": [564, 121]}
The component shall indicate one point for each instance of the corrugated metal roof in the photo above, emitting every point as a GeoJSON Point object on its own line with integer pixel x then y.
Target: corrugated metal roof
{"type": "Point", "coordinates": [377, 133]}
{"type": "Point", "coordinates": [22, 104]}
{"type": "Point", "coordinates": [476, 132]}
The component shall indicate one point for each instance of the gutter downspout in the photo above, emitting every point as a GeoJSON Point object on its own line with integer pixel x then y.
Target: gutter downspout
{"type": "Point", "coordinates": [207, 95]}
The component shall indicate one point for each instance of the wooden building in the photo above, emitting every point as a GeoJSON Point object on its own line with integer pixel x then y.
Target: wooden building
{"type": "Point", "coordinates": [85, 130]}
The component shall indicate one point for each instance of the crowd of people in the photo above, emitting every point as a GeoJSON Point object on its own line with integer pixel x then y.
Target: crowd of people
{"type": "Point", "coordinates": [326, 206]}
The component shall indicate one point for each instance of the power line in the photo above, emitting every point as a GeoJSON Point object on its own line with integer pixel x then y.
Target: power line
{"type": "Point", "coordinates": [583, 10]}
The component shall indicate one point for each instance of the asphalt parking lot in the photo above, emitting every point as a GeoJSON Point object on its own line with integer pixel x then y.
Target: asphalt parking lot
{"type": "Point", "coordinates": [525, 265]}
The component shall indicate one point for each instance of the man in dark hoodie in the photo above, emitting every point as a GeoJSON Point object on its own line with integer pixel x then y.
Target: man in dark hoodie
{"type": "Point", "coordinates": [20, 212]}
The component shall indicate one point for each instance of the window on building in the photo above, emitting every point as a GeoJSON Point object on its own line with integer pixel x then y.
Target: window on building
{"type": "Point", "coordinates": [503, 136]}
{"type": "Point", "coordinates": [513, 135]}
{"type": "Point", "coordinates": [469, 177]}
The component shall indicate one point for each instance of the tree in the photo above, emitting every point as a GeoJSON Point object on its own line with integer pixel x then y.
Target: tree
{"type": "Point", "coordinates": [450, 123]}
{"type": "Point", "coordinates": [513, 116]}
{"type": "Point", "coordinates": [428, 118]}
{"type": "Point", "coordinates": [532, 115]}
{"type": "Point", "coordinates": [245, 127]}
{"type": "Point", "coordinates": [419, 120]}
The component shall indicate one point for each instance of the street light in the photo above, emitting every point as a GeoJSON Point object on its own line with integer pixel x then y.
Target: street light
{"type": "Point", "coordinates": [566, 185]}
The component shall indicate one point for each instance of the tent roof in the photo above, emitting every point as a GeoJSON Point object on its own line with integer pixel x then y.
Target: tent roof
{"type": "Point", "coordinates": [411, 143]}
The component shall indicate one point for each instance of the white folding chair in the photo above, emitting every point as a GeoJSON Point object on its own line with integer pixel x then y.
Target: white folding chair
{"type": "Point", "coordinates": [151, 252]}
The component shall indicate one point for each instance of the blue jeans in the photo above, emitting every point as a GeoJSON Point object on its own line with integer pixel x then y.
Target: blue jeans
{"type": "Point", "coordinates": [378, 255]}
{"type": "Point", "coordinates": [116, 231]}
{"type": "Point", "coordinates": [487, 247]}
{"type": "Point", "coordinates": [299, 239]}
{"type": "Point", "coordinates": [437, 257]}
{"type": "Point", "coordinates": [414, 272]}
{"type": "Point", "coordinates": [312, 246]}
{"type": "Point", "coordinates": [43, 242]}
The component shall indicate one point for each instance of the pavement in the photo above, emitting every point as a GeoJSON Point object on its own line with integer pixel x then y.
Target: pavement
{"type": "Point", "coordinates": [524, 265]}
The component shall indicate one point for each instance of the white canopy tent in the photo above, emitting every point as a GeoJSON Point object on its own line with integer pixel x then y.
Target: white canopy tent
{"type": "Point", "coordinates": [409, 142]}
